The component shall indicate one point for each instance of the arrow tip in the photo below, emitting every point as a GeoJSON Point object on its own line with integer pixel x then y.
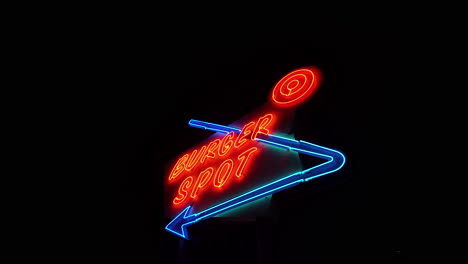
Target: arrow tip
{"type": "Point", "coordinates": [178, 225]}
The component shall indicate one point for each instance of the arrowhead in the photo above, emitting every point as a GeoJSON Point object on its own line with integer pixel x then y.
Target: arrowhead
{"type": "Point", "coordinates": [179, 224]}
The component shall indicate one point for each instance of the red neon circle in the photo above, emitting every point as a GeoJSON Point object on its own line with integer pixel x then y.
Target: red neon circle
{"type": "Point", "coordinates": [296, 87]}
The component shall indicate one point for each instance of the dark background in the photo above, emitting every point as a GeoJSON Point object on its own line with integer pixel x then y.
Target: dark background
{"type": "Point", "coordinates": [107, 106]}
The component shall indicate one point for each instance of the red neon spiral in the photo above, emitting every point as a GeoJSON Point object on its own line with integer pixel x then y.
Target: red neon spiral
{"type": "Point", "coordinates": [296, 87]}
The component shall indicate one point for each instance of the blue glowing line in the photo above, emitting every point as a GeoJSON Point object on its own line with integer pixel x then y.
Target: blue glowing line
{"type": "Point", "coordinates": [172, 226]}
{"type": "Point", "coordinates": [246, 200]}
{"type": "Point", "coordinates": [239, 200]}
{"type": "Point", "coordinates": [335, 161]}
{"type": "Point", "coordinates": [213, 127]}
{"type": "Point", "coordinates": [179, 224]}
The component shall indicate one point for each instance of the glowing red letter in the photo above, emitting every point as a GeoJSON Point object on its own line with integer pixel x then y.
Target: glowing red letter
{"type": "Point", "coordinates": [222, 175]}
{"type": "Point", "coordinates": [210, 150]}
{"type": "Point", "coordinates": [183, 192]}
{"type": "Point", "coordinates": [194, 158]}
{"type": "Point", "coordinates": [246, 130]}
{"type": "Point", "coordinates": [203, 178]}
{"type": "Point", "coordinates": [262, 123]}
{"type": "Point", "coordinates": [226, 144]}
{"type": "Point", "coordinates": [178, 167]}
{"type": "Point", "coordinates": [243, 158]}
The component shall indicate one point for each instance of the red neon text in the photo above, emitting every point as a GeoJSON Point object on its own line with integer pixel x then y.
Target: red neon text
{"type": "Point", "coordinates": [219, 148]}
{"type": "Point", "coordinates": [217, 177]}
{"type": "Point", "coordinates": [229, 158]}
{"type": "Point", "coordinates": [243, 160]}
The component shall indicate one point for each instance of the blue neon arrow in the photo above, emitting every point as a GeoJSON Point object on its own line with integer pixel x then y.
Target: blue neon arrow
{"type": "Point", "coordinates": [335, 160]}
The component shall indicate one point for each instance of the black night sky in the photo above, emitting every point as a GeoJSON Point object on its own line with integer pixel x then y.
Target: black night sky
{"type": "Point", "coordinates": [112, 109]}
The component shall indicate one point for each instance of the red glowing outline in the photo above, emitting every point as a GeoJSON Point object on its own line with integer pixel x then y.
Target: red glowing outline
{"type": "Point", "coordinates": [295, 89]}
{"type": "Point", "coordinates": [182, 187]}
{"type": "Point", "coordinates": [203, 154]}
{"type": "Point", "coordinates": [202, 180]}
{"type": "Point", "coordinates": [173, 174]}
{"type": "Point", "coordinates": [243, 157]}
{"type": "Point", "coordinates": [194, 158]}
{"type": "Point", "coordinates": [222, 147]}
{"type": "Point", "coordinates": [284, 95]}
{"type": "Point", "coordinates": [210, 153]}
{"type": "Point", "coordinates": [219, 183]}
{"type": "Point", "coordinates": [243, 134]}
{"type": "Point", "coordinates": [260, 128]}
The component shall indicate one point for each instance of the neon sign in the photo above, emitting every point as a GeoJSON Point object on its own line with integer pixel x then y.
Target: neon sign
{"type": "Point", "coordinates": [228, 171]}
